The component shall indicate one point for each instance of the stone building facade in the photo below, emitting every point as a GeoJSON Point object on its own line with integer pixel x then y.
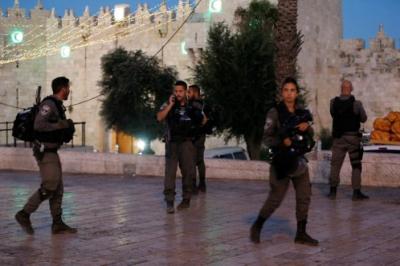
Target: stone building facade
{"type": "Point", "coordinates": [36, 61]}
{"type": "Point", "coordinates": [375, 73]}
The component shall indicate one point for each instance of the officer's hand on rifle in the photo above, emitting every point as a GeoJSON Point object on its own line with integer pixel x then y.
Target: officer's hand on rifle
{"type": "Point", "coordinates": [287, 142]}
{"type": "Point", "coordinates": [303, 126]}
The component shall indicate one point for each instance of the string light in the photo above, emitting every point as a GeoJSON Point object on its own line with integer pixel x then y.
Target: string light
{"type": "Point", "coordinates": [67, 34]}
{"type": "Point", "coordinates": [77, 41]}
{"type": "Point", "coordinates": [125, 33]}
{"type": "Point", "coordinates": [33, 31]}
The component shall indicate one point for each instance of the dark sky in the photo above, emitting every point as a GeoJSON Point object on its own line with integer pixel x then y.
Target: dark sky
{"type": "Point", "coordinates": [361, 17]}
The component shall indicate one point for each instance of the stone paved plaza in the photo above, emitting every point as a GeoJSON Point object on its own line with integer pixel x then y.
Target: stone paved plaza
{"type": "Point", "coordinates": [122, 221]}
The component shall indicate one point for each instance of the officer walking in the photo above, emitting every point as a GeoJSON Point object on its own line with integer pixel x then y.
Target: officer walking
{"type": "Point", "coordinates": [52, 129]}
{"type": "Point", "coordinates": [347, 114]}
{"type": "Point", "coordinates": [289, 142]}
{"type": "Point", "coordinates": [199, 142]}
{"type": "Point", "coordinates": [182, 120]}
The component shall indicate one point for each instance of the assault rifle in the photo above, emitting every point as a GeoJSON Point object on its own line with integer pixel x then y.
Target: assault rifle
{"type": "Point", "coordinates": [302, 142]}
{"type": "Point", "coordinates": [285, 159]}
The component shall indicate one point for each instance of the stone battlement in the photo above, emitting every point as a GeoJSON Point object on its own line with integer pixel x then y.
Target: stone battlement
{"type": "Point", "coordinates": [142, 15]}
{"type": "Point", "coordinates": [44, 27]}
{"type": "Point", "coordinates": [378, 44]}
{"type": "Point", "coordinates": [375, 73]}
{"type": "Point", "coordinates": [48, 24]}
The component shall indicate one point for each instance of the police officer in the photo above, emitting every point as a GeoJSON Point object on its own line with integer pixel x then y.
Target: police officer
{"type": "Point", "coordinates": [51, 130]}
{"type": "Point", "coordinates": [182, 120]}
{"type": "Point", "coordinates": [199, 141]}
{"type": "Point", "coordinates": [290, 167]}
{"type": "Point", "coordinates": [347, 114]}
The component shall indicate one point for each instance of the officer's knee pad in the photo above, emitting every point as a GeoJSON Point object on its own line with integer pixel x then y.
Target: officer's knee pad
{"type": "Point", "coordinates": [45, 194]}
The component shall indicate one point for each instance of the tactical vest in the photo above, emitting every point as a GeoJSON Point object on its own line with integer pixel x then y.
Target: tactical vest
{"type": "Point", "coordinates": [57, 136]}
{"type": "Point", "coordinates": [289, 160]}
{"type": "Point", "coordinates": [344, 118]}
{"type": "Point", "coordinates": [182, 122]}
{"type": "Point", "coordinates": [302, 142]}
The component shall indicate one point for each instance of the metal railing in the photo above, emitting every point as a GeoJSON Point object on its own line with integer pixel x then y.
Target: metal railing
{"type": "Point", "coordinates": [6, 135]}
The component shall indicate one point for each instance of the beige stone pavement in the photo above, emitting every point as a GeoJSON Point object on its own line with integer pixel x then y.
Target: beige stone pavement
{"type": "Point", "coordinates": [122, 221]}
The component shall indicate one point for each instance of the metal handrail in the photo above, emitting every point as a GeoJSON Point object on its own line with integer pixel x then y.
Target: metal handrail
{"type": "Point", "coordinates": [8, 130]}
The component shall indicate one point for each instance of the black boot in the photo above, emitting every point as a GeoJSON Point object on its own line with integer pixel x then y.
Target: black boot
{"type": "Point", "coordinates": [332, 193]}
{"type": "Point", "coordinates": [202, 187]}
{"type": "Point", "coordinates": [23, 218]}
{"type": "Point", "coordinates": [59, 227]}
{"type": "Point", "coordinates": [195, 190]}
{"type": "Point", "coordinates": [170, 207]}
{"type": "Point", "coordinates": [358, 195]}
{"type": "Point", "coordinates": [255, 229]}
{"type": "Point", "coordinates": [302, 237]}
{"type": "Point", "coordinates": [185, 204]}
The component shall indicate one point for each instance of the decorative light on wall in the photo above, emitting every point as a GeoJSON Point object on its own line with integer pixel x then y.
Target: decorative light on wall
{"type": "Point", "coordinates": [121, 12]}
{"type": "Point", "coordinates": [17, 36]}
{"type": "Point", "coordinates": [31, 48]}
{"type": "Point", "coordinates": [65, 51]}
{"type": "Point", "coordinates": [215, 6]}
{"type": "Point", "coordinates": [183, 48]}
{"type": "Point", "coordinates": [141, 145]}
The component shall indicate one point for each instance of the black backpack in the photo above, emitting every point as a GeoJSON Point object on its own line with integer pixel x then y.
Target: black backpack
{"type": "Point", "coordinates": [23, 124]}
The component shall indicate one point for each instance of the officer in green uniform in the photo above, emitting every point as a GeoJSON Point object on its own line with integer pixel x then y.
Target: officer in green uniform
{"type": "Point", "coordinates": [199, 141]}
{"type": "Point", "coordinates": [347, 114]}
{"type": "Point", "coordinates": [182, 120]}
{"type": "Point", "coordinates": [288, 163]}
{"type": "Point", "coordinates": [52, 129]}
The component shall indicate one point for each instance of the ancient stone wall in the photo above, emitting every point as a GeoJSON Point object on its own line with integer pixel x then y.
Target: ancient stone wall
{"type": "Point", "coordinates": [91, 36]}
{"type": "Point", "coordinates": [375, 73]}
{"type": "Point", "coordinates": [319, 64]}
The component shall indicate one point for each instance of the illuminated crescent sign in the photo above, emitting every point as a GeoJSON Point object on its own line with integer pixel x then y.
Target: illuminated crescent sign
{"type": "Point", "coordinates": [215, 6]}
{"type": "Point", "coordinates": [183, 48]}
{"type": "Point", "coordinates": [65, 51]}
{"type": "Point", "coordinates": [17, 36]}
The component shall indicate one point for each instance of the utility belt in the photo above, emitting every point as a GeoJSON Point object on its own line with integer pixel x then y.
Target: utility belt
{"type": "Point", "coordinates": [39, 150]}
{"type": "Point", "coordinates": [51, 150]}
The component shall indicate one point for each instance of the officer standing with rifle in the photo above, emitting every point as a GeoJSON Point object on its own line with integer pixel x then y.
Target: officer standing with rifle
{"type": "Point", "coordinates": [52, 129]}
{"type": "Point", "coordinates": [289, 135]}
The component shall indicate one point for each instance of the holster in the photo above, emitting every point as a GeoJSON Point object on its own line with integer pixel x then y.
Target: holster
{"type": "Point", "coordinates": [37, 153]}
{"type": "Point", "coordinates": [361, 152]}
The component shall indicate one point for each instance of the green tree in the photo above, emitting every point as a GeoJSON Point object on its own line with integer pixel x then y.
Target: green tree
{"type": "Point", "coordinates": [134, 86]}
{"type": "Point", "coordinates": [236, 72]}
